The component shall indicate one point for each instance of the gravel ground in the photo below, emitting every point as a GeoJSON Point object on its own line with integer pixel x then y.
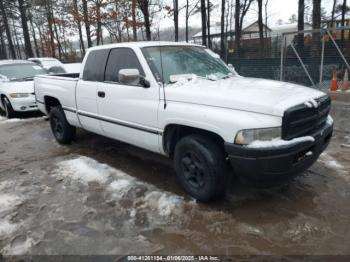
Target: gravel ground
{"type": "Point", "coordinates": [100, 196]}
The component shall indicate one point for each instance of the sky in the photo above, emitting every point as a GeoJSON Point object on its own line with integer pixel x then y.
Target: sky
{"type": "Point", "coordinates": [277, 9]}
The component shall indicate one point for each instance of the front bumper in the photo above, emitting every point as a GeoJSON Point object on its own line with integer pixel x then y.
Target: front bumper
{"type": "Point", "coordinates": [277, 163]}
{"type": "Point", "coordinates": [24, 104]}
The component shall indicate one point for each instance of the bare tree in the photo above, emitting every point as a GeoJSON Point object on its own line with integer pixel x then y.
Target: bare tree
{"type": "Point", "coordinates": [261, 26]}
{"type": "Point", "coordinates": [7, 30]}
{"type": "Point", "coordinates": [208, 23]}
{"type": "Point", "coordinates": [176, 19]}
{"type": "Point", "coordinates": [133, 15]}
{"type": "Point", "coordinates": [27, 43]}
{"type": "Point", "coordinates": [204, 21]}
{"type": "Point", "coordinates": [78, 21]}
{"type": "Point", "coordinates": [316, 38]}
{"type": "Point", "coordinates": [333, 12]}
{"type": "Point", "coordinates": [87, 23]}
{"type": "Point", "coordinates": [343, 12]}
{"type": "Point", "coordinates": [240, 12]}
{"type": "Point", "coordinates": [301, 15]}
{"type": "Point", "coordinates": [222, 33]}
{"type": "Point", "coordinates": [144, 7]}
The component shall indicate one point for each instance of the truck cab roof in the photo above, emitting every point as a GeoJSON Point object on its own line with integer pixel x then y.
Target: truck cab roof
{"type": "Point", "coordinates": [143, 44]}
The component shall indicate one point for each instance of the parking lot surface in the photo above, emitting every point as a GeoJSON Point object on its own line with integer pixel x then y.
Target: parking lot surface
{"type": "Point", "coordinates": [99, 196]}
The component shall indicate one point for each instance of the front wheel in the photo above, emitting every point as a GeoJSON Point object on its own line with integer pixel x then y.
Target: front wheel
{"type": "Point", "coordinates": [9, 112]}
{"type": "Point", "coordinates": [61, 129]}
{"type": "Point", "coordinates": [200, 167]}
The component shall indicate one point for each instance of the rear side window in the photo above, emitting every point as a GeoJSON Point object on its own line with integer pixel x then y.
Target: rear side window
{"type": "Point", "coordinates": [121, 58]}
{"type": "Point", "coordinates": [95, 65]}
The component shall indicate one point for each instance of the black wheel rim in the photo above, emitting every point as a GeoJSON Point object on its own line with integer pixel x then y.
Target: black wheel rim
{"type": "Point", "coordinates": [193, 170]}
{"type": "Point", "coordinates": [57, 127]}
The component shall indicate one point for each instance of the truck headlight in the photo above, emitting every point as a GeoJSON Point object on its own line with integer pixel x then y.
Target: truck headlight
{"type": "Point", "coordinates": [247, 136]}
{"type": "Point", "coordinates": [19, 95]}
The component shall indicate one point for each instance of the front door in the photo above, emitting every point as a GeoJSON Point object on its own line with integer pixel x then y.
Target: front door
{"type": "Point", "coordinates": [128, 112]}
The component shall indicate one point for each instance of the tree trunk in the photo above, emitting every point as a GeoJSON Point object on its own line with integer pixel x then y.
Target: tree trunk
{"type": "Point", "coordinates": [316, 38]}
{"type": "Point", "coordinates": [237, 29]}
{"type": "Point", "coordinates": [343, 12]}
{"type": "Point", "coordinates": [16, 40]}
{"type": "Point", "coordinates": [222, 33]}
{"type": "Point", "coordinates": [27, 43]}
{"type": "Point", "coordinates": [333, 12]}
{"type": "Point", "coordinates": [81, 39]}
{"type": "Point", "coordinates": [266, 32]}
{"type": "Point", "coordinates": [301, 14]}
{"type": "Point", "coordinates": [51, 32]}
{"type": "Point", "coordinates": [87, 23]}
{"type": "Point", "coordinates": [204, 21]}
{"type": "Point", "coordinates": [208, 24]}
{"type": "Point", "coordinates": [261, 27]}
{"type": "Point", "coordinates": [144, 6]}
{"type": "Point", "coordinates": [99, 25]}
{"type": "Point", "coordinates": [133, 15]}
{"type": "Point", "coordinates": [55, 31]}
{"type": "Point", "coordinates": [7, 30]}
{"type": "Point", "coordinates": [3, 54]}
{"type": "Point", "coordinates": [34, 35]}
{"type": "Point", "coordinates": [176, 19]}
{"type": "Point", "coordinates": [186, 17]}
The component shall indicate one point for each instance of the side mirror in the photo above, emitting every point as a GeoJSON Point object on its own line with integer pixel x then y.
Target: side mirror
{"type": "Point", "coordinates": [131, 76]}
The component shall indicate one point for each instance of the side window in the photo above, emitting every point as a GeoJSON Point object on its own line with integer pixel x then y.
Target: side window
{"type": "Point", "coordinates": [121, 58]}
{"type": "Point", "coordinates": [95, 65]}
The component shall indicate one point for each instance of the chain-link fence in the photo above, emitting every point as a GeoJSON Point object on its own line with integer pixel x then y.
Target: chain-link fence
{"type": "Point", "coordinates": [305, 57]}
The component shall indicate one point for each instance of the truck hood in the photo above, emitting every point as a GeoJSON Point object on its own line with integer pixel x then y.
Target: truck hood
{"type": "Point", "coordinates": [17, 87]}
{"type": "Point", "coordinates": [241, 93]}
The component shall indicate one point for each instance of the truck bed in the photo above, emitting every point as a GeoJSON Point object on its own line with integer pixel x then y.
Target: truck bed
{"type": "Point", "coordinates": [56, 86]}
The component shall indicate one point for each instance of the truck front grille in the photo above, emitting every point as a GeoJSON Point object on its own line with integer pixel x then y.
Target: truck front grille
{"type": "Point", "coordinates": [302, 120]}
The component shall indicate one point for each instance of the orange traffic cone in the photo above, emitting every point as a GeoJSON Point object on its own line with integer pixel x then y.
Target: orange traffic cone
{"type": "Point", "coordinates": [346, 81]}
{"type": "Point", "coordinates": [334, 81]}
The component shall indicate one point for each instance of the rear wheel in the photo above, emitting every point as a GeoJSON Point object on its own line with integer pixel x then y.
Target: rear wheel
{"type": "Point", "coordinates": [9, 112]}
{"type": "Point", "coordinates": [61, 129]}
{"type": "Point", "coordinates": [200, 167]}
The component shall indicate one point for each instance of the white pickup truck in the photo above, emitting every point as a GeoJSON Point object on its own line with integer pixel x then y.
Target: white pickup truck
{"type": "Point", "coordinates": [182, 101]}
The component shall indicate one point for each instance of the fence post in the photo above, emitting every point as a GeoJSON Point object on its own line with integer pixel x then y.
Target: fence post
{"type": "Point", "coordinates": [282, 56]}
{"type": "Point", "coordinates": [322, 58]}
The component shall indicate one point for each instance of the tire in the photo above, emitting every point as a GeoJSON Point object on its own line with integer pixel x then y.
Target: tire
{"type": "Point", "coordinates": [200, 167]}
{"type": "Point", "coordinates": [61, 129]}
{"type": "Point", "coordinates": [9, 112]}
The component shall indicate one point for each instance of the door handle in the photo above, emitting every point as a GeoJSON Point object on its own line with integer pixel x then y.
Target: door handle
{"type": "Point", "coordinates": [101, 94]}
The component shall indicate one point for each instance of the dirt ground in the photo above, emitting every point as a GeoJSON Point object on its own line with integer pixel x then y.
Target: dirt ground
{"type": "Point", "coordinates": [100, 196]}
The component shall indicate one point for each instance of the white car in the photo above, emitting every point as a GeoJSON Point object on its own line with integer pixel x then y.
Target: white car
{"type": "Point", "coordinates": [51, 64]}
{"type": "Point", "coordinates": [182, 101]}
{"type": "Point", "coordinates": [16, 86]}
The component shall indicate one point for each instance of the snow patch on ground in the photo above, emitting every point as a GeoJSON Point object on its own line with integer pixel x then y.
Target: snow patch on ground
{"type": "Point", "coordinates": [85, 170]}
{"type": "Point", "coordinates": [143, 196]}
{"type": "Point", "coordinates": [330, 162]}
{"type": "Point", "coordinates": [17, 120]}
{"type": "Point", "coordinates": [7, 228]}
{"type": "Point", "coordinates": [8, 202]}
{"type": "Point", "coordinates": [165, 203]}
{"type": "Point", "coordinates": [279, 142]}
{"type": "Point", "coordinates": [18, 246]}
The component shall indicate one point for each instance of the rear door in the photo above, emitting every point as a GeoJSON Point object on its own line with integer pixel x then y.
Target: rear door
{"type": "Point", "coordinates": [128, 112]}
{"type": "Point", "coordinates": [86, 92]}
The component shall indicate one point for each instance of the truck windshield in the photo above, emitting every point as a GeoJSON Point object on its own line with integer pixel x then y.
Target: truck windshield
{"type": "Point", "coordinates": [184, 60]}
{"type": "Point", "coordinates": [21, 72]}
